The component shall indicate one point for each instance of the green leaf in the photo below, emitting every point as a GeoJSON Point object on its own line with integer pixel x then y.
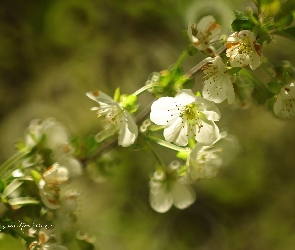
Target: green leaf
{"type": "Point", "coordinates": [233, 70]}
{"type": "Point", "coordinates": [238, 25]}
{"type": "Point", "coordinates": [274, 87]}
{"type": "Point", "coordinates": [288, 33]}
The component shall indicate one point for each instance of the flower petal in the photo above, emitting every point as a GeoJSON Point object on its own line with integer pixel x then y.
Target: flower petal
{"type": "Point", "coordinates": [161, 201]}
{"type": "Point", "coordinates": [163, 110]}
{"type": "Point", "coordinates": [183, 195]}
{"type": "Point", "coordinates": [128, 131]}
{"type": "Point", "coordinates": [208, 133]}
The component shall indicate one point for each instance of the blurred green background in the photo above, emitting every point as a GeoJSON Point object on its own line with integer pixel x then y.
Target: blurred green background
{"type": "Point", "coordinates": [53, 51]}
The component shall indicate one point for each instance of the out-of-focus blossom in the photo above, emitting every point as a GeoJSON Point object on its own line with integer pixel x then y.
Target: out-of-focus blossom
{"type": "Point", "coordinates": [284, 106]}
{"type": "Point", "coordinates": [204, 34]}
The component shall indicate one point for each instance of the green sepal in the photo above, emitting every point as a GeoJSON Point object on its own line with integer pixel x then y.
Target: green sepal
{"type": "Point", "coordinates": [20, 145]}
{"type": "Point", "coordinates": [233, 70]}
{"type": "Point", "coordinates": [129, 103]}
{"type": "Point", "coordinates": [36, 176]}
{"type": "Point", "coordinates": [198, 93]}
{"type": "Point", "coordinates": [117, 95]}
{"type": "Point", "coordinates": [182, 170]}
{"type": "Point", "coordinates": [185, 35]}
{"type": "Point", "coordinates": [191, 50]}
{"type": "Point", "coordinates": [183, 155]}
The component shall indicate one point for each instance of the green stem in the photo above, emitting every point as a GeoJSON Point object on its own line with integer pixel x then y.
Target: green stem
{"type": "Point", "coordinates": [179, 62]}
{"type": "Point", "coordinates": [7, 164]}
{"type": "Point", "coordinates": [144, 88]}
{"type": "Point", "coordinates": [167, 144]}
{"type": "Point", "coordinates": [158, 158]}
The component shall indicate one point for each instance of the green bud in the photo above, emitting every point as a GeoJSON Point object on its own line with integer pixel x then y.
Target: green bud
{"type": "Point", "coordinates": [129, 103]}
{"type": "Point", "coordinates": [36, 176]}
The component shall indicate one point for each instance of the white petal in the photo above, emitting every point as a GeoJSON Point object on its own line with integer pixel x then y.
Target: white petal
{"type": "Point", "coordinates": [99, 96]}
{"type": "Point", "coordinates": [183, 195]}
{"type": "Point", "coordinates": [255, 60]}
{"type": "Point", "coordinates": [128, 131]}
{"type": "Point", "coordinates": [208, 133]}
{"type": "Point", "coordinates": [163, 110]}
{"type": "Point", "coordinates": [208, 108]}
{"type": "Point", "coordinates": [161, 201]}
{"type": "Point", "coordinates": [176, 132]}
{"type": "Point", "coordinates": [73, 166]}
{"type": "Point", "coordinates": [185, 96]}
{"type": "Point", "coordinates": [278, 106]}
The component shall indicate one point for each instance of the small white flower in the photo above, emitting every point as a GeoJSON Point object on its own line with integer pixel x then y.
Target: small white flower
{"type": "Point", "coordinates": [49, 185]}
{"type": "Point", "coordinates": [243, 50]}
{"type": "Point", "coordinates": [167, 188]}
{"type": "Point", "coordinates": [186, 116]}
{"type": "Point", "coordinates": [217, 85]}
{"type": "Point", "coordinates": [205, 161]}
{"type": "Point", "coordinates": [117, 120]}
{"type": "Point", "coordinates": [284, 106]}
{"type": "Point", "coordinates": [43, 241]}
{"type": "Point", "coordinates": [205, 33]}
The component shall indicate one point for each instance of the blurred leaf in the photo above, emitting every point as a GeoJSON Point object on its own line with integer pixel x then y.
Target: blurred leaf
{"type": "Point", "coordinates": [288, 33]}
{"type": "Point", "coordinates": [274, 87]}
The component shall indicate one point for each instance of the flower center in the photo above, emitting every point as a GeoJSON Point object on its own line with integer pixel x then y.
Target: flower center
{"type": "Point", "coordinates": [191, 114]}
{"type": "Point", "coordinates": [112, 116]}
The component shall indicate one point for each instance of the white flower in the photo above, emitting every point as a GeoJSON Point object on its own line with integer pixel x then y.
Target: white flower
{"type": "Point", "coordinates": [205, 33]}
{"type": "Point", "coordinates": [284, 106]}
{"type": "Point", "coordinates": [243, 50]}
{"type": "Point", "coordinates": [43, 241]}
{"type": "Point", "coordinates": [49, 132]}
{"type": "Point", "coordinates": [117, 120]}
{"type": "Point", "coordinates": [49, 185]}
{"type": "Point", "coordinates": [167, 188]}
{"type": "Point", "coordinates": [186, 116]}
{"type": "Point", "coordinates": [204, 161]}
{"type": "Point", "coordinates": [217, 85]}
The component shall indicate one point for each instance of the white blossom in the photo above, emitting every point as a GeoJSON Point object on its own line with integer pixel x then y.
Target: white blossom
{"type": "Point", "coordinates": [205, 161]}
{"type": "Point", "coordinates": [217, 85]}
{"type": "Point", "coordinates": [49, 185]}
{"type": "Point", "coordinates": [116, 119]}
{"type": "Point", "coordinates": [284, 106]}
{"type": "Point", "coordinates": [43, 242]}
{"type": "Point", "coordinates": [186, 116]}
{"type": "Point", "coordinates": [205, 33]}
{"type": "Point", "coordinates": [167, 189]}
{"type": "Point", "coordinates": [243, 50]}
